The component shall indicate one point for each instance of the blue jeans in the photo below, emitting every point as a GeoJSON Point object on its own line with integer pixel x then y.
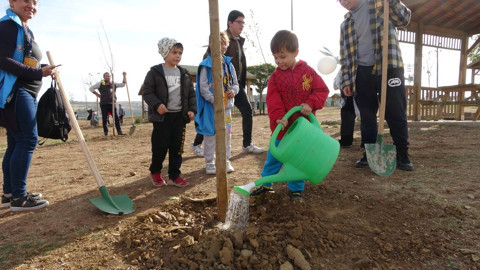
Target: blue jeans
{"type": "Point", "coordinates": [20, 145]}
{"type": "Point", "coordinates": [273, 166]}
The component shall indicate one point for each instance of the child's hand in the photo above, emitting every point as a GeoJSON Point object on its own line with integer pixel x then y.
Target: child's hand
{"type": "Point", "coordinates": [284, 123]}
{"type": "Point", "coordinates": [162, 109]}
{"type": "Point", "coordinates": [347, 91]}
{"type": "Point", "coordinates": [306, 109]}
{"type": "Point", "coordinates": [191, 115]}
{"type": "Point", "coordinates": [230, 94]}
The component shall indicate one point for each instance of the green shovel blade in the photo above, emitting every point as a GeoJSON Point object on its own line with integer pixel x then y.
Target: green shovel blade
{"type": "Point", "coordinates": [132, 130]}
{"type": "Point", "coordinates": [382, 158]}
{"type": "Point", "coordinates": [117, 205]}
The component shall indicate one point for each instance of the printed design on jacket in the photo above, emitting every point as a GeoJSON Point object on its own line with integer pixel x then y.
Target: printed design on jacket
{"type": "Point", "coordinates": [306, 84]}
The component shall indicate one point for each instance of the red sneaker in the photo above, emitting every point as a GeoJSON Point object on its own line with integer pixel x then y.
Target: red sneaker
{"type": "Point", "coordinates": [157, 179]}
{"type": "Point", "coordinates": [179, 182]}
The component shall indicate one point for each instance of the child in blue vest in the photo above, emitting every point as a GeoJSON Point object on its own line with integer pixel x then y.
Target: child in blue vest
{"type": "Point", "coordinates": [205, 117]}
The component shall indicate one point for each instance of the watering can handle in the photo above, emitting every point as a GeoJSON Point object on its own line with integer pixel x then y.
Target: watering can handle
{"type": "Point", "coordinates": [293, 110]}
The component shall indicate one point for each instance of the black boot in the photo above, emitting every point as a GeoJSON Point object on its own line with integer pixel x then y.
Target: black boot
{"type": "Point", "coordinates": [403, 161]}
{"type": "Point", "coordinates": [363, 162]}
{"type": "Point", "coordinates": [346, 141]}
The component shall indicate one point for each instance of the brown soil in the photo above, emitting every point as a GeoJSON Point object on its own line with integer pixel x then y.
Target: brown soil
{"type": "Point", "coordinates": [354, 219]}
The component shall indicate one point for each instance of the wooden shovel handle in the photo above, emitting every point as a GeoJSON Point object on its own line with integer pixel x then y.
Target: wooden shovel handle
{"type": "Point", "coordinates": [129, 103]}
{"type": "Point", "coordinates": [383, 98]}
{"type": "Point", "coordinates": [76, 127]}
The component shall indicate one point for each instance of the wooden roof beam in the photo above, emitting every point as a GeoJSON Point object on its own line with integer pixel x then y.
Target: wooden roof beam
{"type": "Point", "coordinates": [436, 30]}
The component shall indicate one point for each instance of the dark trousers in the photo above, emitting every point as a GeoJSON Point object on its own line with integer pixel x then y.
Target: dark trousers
{"type": "Point", "coordinates": [367, 97]}
{"type": "Point", "coordinates": [168, 136]}
{"type": "Point", "coordinates": [107, 108]}
{"type": "Point", "coordinates": [347, 126]}
{"type": "Point", "coordinates": [245, 108]}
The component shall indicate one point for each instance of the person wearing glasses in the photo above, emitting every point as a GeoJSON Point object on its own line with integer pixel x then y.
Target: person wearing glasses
{"type": "Point", "coordinates": [235, 24]}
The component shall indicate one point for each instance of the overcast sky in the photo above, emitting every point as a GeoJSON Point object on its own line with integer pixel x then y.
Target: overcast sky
{"type": "Point", "coordinates": [72, 32]}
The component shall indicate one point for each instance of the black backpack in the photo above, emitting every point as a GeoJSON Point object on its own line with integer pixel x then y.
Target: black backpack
{"type": "Point", "coordinates": [52, 119]}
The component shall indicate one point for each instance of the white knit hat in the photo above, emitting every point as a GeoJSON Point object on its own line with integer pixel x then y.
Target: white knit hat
{"type": "Point", "coordinates": [165, 45]}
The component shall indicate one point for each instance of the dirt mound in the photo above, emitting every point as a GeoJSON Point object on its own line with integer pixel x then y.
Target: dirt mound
{"type": "Point", "coordinates": [353, 219]}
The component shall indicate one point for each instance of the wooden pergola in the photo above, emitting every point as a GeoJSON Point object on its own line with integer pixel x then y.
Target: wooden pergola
{"type": "Point", "coordinates": [447, 24]}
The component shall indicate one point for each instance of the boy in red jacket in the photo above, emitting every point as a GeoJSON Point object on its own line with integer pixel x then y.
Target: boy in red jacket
{"type": "Point", "coordinates": [293, 83]}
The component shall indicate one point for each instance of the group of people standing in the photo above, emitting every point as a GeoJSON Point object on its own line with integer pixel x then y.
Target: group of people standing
{"type": "Point", "coordinates": [173, 102]}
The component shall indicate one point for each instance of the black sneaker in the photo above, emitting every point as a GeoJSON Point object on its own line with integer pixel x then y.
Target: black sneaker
{"type": "Point", "coordinates": [363, 162]}
{"type": "Point", "coordinates": [6, 200]}
{"type": "Point", "coordinates": [261, 190]}
{"type": "Point", "coordinates": [296, 195]}
{"type": "Point", "coordinates": [403, 161]}
{"type": "Point", "coordinates": [27, 203]}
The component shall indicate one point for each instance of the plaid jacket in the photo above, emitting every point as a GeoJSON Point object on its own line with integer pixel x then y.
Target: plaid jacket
{"type": "Point", "coordinates": [399, 17]}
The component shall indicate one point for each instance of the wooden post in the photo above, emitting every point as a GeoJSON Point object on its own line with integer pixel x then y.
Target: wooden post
{"type": "Point", "coordinates": [417, 83]}
{"type": "Point", "coordinates": [462, 79]}
{"type": "Point", "coordinates": [113, 103]}
{"type": "Point", "coordinates": [220, 149]}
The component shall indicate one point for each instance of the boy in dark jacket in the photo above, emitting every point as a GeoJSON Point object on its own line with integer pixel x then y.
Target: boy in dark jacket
{"type": "Point", "coordinates": [168, 91]}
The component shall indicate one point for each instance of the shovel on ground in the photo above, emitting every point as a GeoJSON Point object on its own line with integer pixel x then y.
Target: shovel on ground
{"type": "Point", "coordinates": [132, 128]}
{"type": "Point", "coordinates": [118, 205]}
{"type": "Point", "coordinates": [382, 158]}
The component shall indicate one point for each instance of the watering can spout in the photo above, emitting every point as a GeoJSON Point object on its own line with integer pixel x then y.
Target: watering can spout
{"type": "Point", "coordinates": [287, 174]}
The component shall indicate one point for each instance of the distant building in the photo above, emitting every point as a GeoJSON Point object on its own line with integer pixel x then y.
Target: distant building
{"type": "Point", "coordinates": [333, 101]}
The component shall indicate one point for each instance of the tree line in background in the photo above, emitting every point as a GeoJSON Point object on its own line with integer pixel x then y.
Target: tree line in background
{"type": "Point", "coordinates": [475, 53]}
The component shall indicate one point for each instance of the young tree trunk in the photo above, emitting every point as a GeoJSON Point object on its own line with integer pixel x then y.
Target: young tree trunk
{"type": "Point", "coordinates": [220, 149]}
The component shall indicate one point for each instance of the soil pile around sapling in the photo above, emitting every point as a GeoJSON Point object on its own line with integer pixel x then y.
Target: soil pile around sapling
{"type": "Point", "coordinates": [353, 219]}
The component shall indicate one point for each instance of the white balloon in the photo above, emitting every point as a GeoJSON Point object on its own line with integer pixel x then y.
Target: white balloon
{"type": "Point", "coordinates": [327, 65]}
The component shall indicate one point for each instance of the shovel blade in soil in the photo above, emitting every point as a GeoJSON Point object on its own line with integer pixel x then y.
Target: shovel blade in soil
{"type": "Point", "coordinates": [132, 130]}
{"type": "Point", "coordinates": [117, 205]}
{"type": "Point", "coordinates": [382, 158]}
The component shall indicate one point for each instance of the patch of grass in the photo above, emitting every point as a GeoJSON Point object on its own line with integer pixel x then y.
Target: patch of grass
{"type": "Point", "coordinates": [10, 255]}
{"type": "Point", "coordinates": [9, 249]}
{"type": "Point", "coordinates": [6, 250]}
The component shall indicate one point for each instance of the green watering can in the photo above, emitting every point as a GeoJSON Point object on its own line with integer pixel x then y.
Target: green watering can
{"type": "Point", "coordinates": [307, 153]}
